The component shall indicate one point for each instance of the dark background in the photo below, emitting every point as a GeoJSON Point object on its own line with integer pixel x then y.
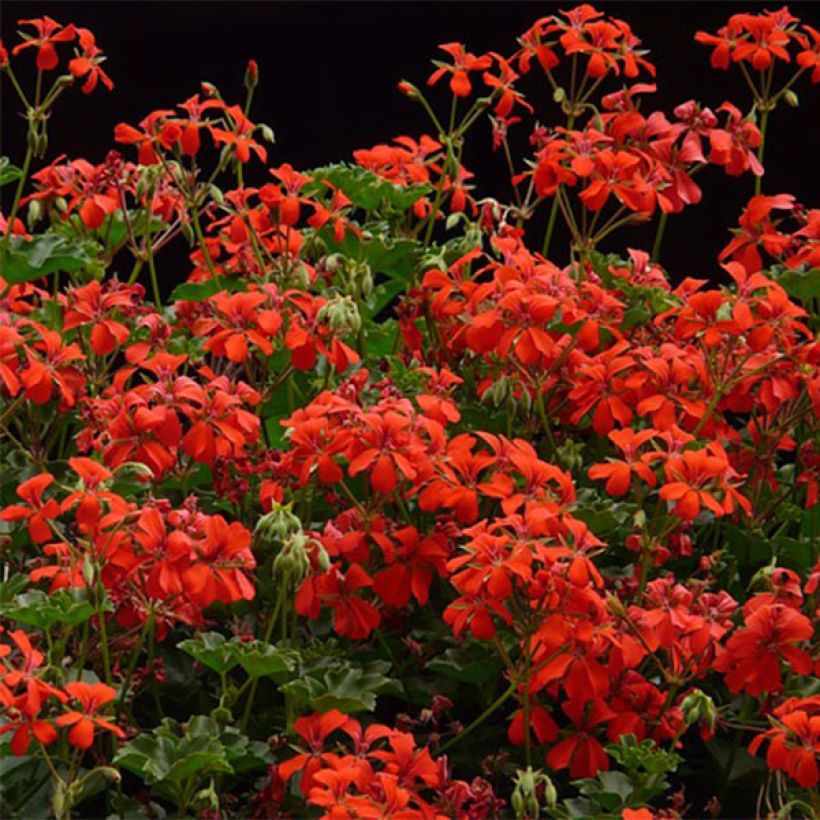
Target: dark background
{"type": "Point", "coordinates": [328, 86]}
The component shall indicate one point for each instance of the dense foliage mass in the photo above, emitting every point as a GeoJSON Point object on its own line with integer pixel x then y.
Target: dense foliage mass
{"type": "Point", "coordinates": [383, 513]}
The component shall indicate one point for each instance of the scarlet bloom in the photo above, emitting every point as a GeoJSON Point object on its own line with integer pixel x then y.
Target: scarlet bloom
{"type": "Point", "coordinates": [240, 137]}
{"type": "Point", "coordinates": [619, 473]}
{"type": "Point", "coordinates": [88, 63]}
{"type": "Point", "coordinates": [810, 56]}
{"type": "Point", "coordinates": [92, 697]}
{"type": "Point", "coordinates": [754, 653]}
{"type": "Point", "coordinates": [36, 511]}
{"type": "Point", "coordinates": [794, 740]}
{"type": "Point", "coordinates": [314, 730]}
{"type": "Point", "coordinates": [413, 567]}
{"type": "Point", "coordinates": [22, 718]}
{"type": "Point", "coordinates": [581, 751]}
{"type": "Point", "coordinates": [353, 617]}
{"type": "Point", "coordinates": [222, 559]}
{"type": "Point", "coordinates": [463, 63]}
{"type": "Point", "coordinates": [694, 476]}
{"type": "Point", "coordinates": [49, 32]}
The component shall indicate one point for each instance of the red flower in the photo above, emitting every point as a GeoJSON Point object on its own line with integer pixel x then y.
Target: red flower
{"type": "Point", "coordinates": [581, 751]}
{"type": "Point", "coordinates": [810, 56]}
{"type": "Point", "coordinates": [619, 473]}
{"type": "Point", "coordinates": [794, 740]}
{"type": "Point", "coordinates": [753, 653]}
{"type": "Point", "coordinates": [463, 62]}
{"type": "Point", "coordinates": [240, 137]}
{"type": "Point", "coordinates": [49, 32]}
{"type": "Point", "coordinates": [353, 617]}
{"type": "Point", "coordinates": [88, 63]}
{"type": "Point", "coordinates": [220, 564]}
{"type": "Point", "coordinates": [36, 512]}
{"type": "Point", "coordinates": [412, 567]}
{"type": "Point", "coordinates": [92, 697]}
{"type": "Point", "coordinates": [692, 479]}
{"type": "Point", "coordinates": [314, 730]}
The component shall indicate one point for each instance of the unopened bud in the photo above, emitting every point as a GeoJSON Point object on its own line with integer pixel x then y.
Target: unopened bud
{"type": "Point", "coordinates": [42, 145]}
{"type": "Point", "coordinates": [35, 212]}
{"type": "Point", "coordinates": [221, 715]}
{"type": "Point", "coordinates": [251, 75]}
{"type": "Point", "coordinates": [550, 793]}
{"type": "Point", "coordinates": [341, 314]}
{"type": "Point", "coordinates": [88, 571]}
{"type": "Point", "coordinates": [615, 606]}
{"type": "Point", "coordinates": [698, 707]}
{"type": "Point", "coordinates": [409, 90]}
{"type": "Point", "coordinates": [277, 525]}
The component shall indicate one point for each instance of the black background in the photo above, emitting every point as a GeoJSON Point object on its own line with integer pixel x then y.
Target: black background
{"type": "Point", "coordinates": [328, 86]}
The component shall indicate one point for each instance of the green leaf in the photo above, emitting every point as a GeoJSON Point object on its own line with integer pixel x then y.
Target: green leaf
{"type": "Point", "coordinates": [259, 659]}
{"type": "Point", "coordinates": [382, 296]}
{"type": "Point", "coordinates": [803, 285]}
{"type": "Point", "coordinates": [28, 259]}
{"type": "Point", "coordinates": [616, 783]}
{"type": "Point", "coordinates": [367, 190]}
{"type": "Point", "coordinates": [200, 291]}
{"type": "Point", "coordinates": [212, 650]}
{"type": "Point", "coordinates": [35, 608]}
{"type": "Point", "coordinates": [8, 172]}
{"type": "Point", "coordinates": [381, 339]}
{"type": "Point", "coordinates": [395, 258]}
{"type": "Point", "coordinates": [177, 758]}
{"type": "Point", "coordinates": [348, 689]}
{"type": "Point", "coordinates": [470, 664]}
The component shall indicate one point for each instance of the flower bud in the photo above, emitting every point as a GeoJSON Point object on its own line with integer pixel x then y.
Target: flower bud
{"type": "Point", "coordinates": [278, 525]}
{"type": "Point", "coordinates": [88, 571]}
{"type": "Point", "coordinates": [497, 392]}
{"type": "Point", "coordinates": [550, 793]}
{"type": "Point", "coordinates": [698, 707]}
{"type": "Point", "coordinates": [615, 606]}
{"type": "Point", "coordinates": [35, 212]}
{"type": "Point", "coordinates": [221, 715]}
{"type": "Point", "coordinates": [321, 557]}
{"type": "Point", "coordinates": [341, 314]}
{"type": "Point", "coordinates": [409, 90]}
{"type": "Point", "coordinates": [42, 145]}
{"type": "Point", "coordinates": [251, 75]}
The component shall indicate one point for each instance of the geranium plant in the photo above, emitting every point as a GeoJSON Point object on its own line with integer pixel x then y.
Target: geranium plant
{"type": "Point", "coordinates": [383, 511]}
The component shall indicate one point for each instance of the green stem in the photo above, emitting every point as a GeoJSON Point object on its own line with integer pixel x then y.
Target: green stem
{"type": "Point", "coordinates": [554, 209]}
{"type": "Point", "coordinates": [106, 657]}
{"type": "Point", "coordinates": [490, 710]}
{"type": "Point", "coordinates": [526, 702]}
{"type": "Point", "coordinates": [15, 204]}
{"type": "Point", "coordinates": [133, 661]}
{"type": "Point", "coordinates": [656, 245]}
{"type": "Point", "coordinates": [764, 121]}
{"type": "Point", "coordinates": [271, 625]}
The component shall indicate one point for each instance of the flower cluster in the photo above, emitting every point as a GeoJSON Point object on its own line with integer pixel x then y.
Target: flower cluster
{"type": "Point", "coordinates": [383, 479]}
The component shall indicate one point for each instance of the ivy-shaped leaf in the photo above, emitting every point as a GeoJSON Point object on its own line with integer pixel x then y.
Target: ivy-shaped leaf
{"type": "Point", "coordinates": [259, 659]}
{"type": "Point", "coordinates": [8, 172]}
{"type": "Point", "coordinates": [803, 285]}
{"type": "Point", "coordinates": [212, 650]}
{"type": "Point", "coordinates": [348, 689]}
{"type": "Point", "coordinates": [366, 189]}
{"type": "Point", "coordinates": [28, 259]}
{"type": "Point", "coordinates": [200, 291]}
{"type": "Point", "coordinates": [35, 608]}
